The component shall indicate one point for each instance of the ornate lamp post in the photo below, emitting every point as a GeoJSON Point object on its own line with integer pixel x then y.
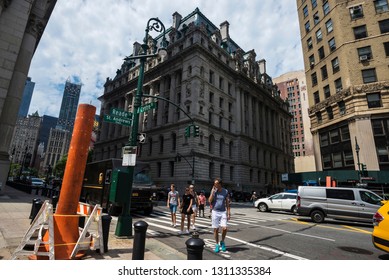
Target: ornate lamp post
{"type": "Point", "coordinates": [124, 225]}
{"type": "Point", "coordinates": [357, 149]}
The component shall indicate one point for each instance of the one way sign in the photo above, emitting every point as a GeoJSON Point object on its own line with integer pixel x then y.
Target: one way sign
{"type": "Point", "coordinates": [142, 138]}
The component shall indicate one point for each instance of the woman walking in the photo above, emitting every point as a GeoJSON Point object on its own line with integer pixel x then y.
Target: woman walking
{"type": "Point", "coordinates": [186, 210]}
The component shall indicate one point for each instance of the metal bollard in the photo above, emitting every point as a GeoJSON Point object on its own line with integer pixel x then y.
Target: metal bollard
{"type": "Point", "coordinates": [138, 251]}
{"type": "Point", "coordinates": [106, 221]}
{"type": "Point", "coordinates": [36, 207]}
{"type": "Point", "coordinates": [54, 201]}
{"type": "Point", "coordinates": [33, 211]}
{"type": "Point", "coordinates": [195, 247]}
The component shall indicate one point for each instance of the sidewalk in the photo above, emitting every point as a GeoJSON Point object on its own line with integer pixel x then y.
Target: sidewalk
{"type": "Point", "coordinates": [15, 208]}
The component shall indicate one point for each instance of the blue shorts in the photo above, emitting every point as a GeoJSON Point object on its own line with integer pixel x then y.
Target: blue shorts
{"type": "Point", "coordinates": [173, 208]}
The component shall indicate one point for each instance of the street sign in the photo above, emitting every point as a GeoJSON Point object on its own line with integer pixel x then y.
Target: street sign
{"type": "Point", "coordinates": [142, 138]}
{"type": "Point", "coordinates": [147, 107]}
{"type": "Point", "coordinates": [368, 178]}
{"type": "Point", "coordinates": [118, 120]}
{"type": "Point", "coordinates": [115, 112]}
{"type": "Point", "coordinates": [129, 155]}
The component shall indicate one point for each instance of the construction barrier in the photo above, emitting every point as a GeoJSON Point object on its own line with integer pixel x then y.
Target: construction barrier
{"type": "Point", "coordinates": [90, 236]}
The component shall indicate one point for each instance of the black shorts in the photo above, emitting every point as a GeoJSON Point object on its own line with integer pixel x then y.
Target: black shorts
{"type": "Point", "coordinates": [184, 211]}
{"type": "Point", "coordinates": [201, 207]}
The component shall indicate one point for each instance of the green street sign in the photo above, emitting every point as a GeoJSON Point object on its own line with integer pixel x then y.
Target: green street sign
{"type": "Point", "coordinates": [147, 107]}
{"type": "Point", "coordinates": [117, 120]}
{"type": "Point", "coordinates": [115, 112]}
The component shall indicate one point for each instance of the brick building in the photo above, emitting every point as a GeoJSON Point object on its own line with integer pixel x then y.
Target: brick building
{"type": "Point", "coordinates": [346, 57]}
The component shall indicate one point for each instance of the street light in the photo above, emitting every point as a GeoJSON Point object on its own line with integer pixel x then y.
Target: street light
{"type": "Point", "coordinates": [357, 149]}
{"type": "Point", "coordinates": [192, 166]}
{"type": "Point", "coordinates": [124, 224]}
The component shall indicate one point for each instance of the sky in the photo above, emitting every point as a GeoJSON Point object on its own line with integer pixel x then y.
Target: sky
{"type": "Point", "coordinates": [86, 40]}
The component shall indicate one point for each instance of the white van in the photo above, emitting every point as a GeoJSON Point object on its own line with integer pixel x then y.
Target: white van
{"type": "Point", "coordinates": [353, 204]}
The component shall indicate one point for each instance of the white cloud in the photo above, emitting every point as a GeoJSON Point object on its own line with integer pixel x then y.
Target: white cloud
{"type": "Point", "coordinates": [90, 38]}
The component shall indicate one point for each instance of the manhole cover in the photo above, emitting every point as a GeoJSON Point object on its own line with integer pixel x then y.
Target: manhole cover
{"type": "Point", "coordinates": [356, 250]}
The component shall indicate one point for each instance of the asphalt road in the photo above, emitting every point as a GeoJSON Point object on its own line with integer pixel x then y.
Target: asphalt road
{"type": "Point", "coordinates": [271, 236]}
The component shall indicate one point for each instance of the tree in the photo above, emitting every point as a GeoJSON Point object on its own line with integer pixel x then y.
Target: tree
{"type": "Point", "coordinates": [59, 168]}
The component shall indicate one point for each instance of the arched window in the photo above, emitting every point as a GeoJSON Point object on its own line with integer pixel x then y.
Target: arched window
{"type": "Point", "coordinates": [174, 141]}
{"type": "Point", "coordinates": [221, 147]}
{"type": "Point", "coordinates": [150, 146]}
{"type": "Point", "coordinates": [211, 144]}
{"type": "Point", "coordinates": [161, 139]}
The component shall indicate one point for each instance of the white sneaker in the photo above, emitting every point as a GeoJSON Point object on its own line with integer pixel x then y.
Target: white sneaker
{"type": "Point", "coordinates": [174, 225]}
{"type": "Point", "coordinates": [187, 232]}
{"type": "Point", "coordinates": [180, 232]}
{"type": "Point", "coordinates": [193, 227]}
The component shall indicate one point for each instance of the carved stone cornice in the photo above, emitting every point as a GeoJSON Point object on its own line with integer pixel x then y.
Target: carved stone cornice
{"type": "Point", "coordinates": [5, 3]}
{"type": "Point", "coordinates": [343, 94]}
{"type": "Point", "coordinates": [35, 27]}
{"type": "Point", "coordinates": [373, 87]}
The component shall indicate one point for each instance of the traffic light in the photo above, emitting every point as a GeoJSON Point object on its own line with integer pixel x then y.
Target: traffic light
{"type": "Point", "coordinates": [196, 130]}
{"type": "Point", "coordinates": [364, 170]}
{"type": "Point", "coordinates": [187, 131]}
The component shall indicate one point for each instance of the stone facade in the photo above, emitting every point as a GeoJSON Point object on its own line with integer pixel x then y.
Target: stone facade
{"type": "Point", "coordinates": [22, 23]}
{"type": "Point", "coordinates": [346, 49]}
{"type": "Point", "coordinates": [244, 124]}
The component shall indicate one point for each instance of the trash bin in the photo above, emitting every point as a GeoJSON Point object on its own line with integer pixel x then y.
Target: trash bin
{"type": "Point", "coordinates": [106, 223]}
{"type": "Point", "coordinates": [36, 206]}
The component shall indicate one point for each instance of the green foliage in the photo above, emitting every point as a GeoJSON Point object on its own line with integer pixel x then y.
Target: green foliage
{"type": "Point", "coordinates": [59, 168]}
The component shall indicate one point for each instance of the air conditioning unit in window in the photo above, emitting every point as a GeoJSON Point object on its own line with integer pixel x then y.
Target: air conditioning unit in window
{"type": "Point", "coordinates": [363, 57]}
{"type": "Point", "coordinates": [312, 64]}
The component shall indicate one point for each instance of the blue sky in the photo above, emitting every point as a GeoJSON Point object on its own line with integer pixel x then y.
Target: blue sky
{"type": "Point", "coordinates": [88, 39]}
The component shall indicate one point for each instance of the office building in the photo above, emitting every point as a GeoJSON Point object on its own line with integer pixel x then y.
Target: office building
{"type": "Point", "coordinates": [69, 105]}
{"type": "Point", "coordinates": [244, 125]}
{"type": "Point", "coordinates": [59, 137]}
{"type": "Point", "coordinates": [26, 99]}
{"type": "Point", "coordinates": [346, 57]}
{"type": "Point", "coordinates": [292, 87]}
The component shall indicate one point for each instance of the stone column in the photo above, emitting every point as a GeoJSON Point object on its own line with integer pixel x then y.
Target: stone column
{"type": "Point", "coordinates": [14, 95]}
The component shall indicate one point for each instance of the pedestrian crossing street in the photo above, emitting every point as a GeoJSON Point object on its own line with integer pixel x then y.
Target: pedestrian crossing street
{"type": "Point", "coordinates": [160, 222]}
{"type": "Point", "coordinates": [159, 225]}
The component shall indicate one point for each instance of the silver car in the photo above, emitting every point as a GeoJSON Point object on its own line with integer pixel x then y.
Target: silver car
{"type": "Point", "coordinates": [280, 201]}
{"type": "Point", "coordinates": [37, 182]}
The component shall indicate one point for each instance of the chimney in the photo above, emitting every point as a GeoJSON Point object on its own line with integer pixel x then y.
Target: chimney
{"type": "Point", "coordinates": [136, 48]}
{"type": "Point", "coordinates": [224, 30]}
{"type": "Point", "coordinates": [176, 20]}
{"type": "Point", "coordinates": [262, 66]}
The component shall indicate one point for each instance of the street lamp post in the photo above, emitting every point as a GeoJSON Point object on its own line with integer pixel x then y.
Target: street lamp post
{"type": "Point", "coordinates": [357, 149]}
{"type": "Point", "coordinates": [124, 224]}
{"type": "Point", "coordinates": [192, 166]}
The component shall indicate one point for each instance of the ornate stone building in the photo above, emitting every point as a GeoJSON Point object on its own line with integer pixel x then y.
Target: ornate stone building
{"type": "Point", "coordinates": [22, 23]}
{"type": "Point", "coordinates": [244, 125]}
{"type": "Point", "coordinates": [346, 56]}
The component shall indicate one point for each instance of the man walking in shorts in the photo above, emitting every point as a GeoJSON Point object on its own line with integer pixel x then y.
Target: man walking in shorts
{"type": "Point", "coordinates": [219, 199]}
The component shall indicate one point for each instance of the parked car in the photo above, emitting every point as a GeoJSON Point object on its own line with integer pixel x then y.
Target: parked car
{"type": "Point", "coordinates": [343, 203]}
{"type": "Point", "coordinates": [37, 182]}
{"type": "Point", "coordinates": [281, 201]}
{"type": "Point", "coordinates": [380, 235]}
